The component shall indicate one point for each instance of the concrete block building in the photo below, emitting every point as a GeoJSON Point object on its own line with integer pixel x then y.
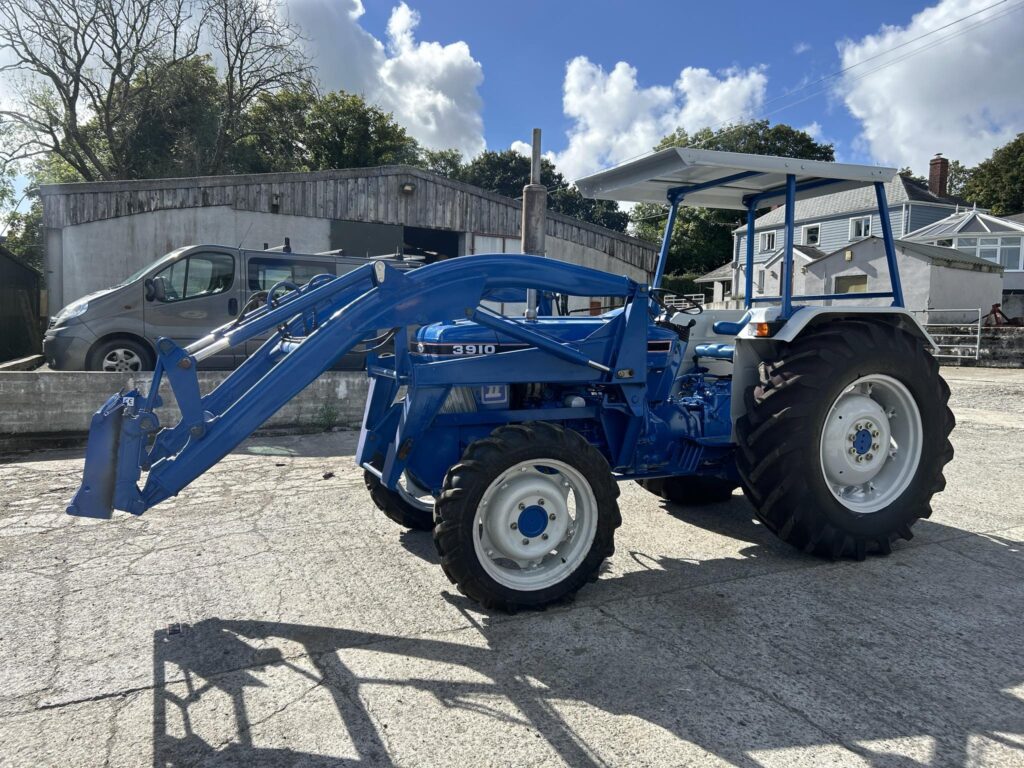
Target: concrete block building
{"type": "Point", "coordinates": [98, 233]}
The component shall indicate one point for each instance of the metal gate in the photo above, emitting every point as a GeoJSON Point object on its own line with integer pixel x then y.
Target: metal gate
{"type": "Point", "coordinates": [956, 340]}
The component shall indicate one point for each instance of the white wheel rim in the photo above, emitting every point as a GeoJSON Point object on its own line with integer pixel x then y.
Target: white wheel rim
{"type": "Point", "coordinates": [871, 443]}
{"type": "Point", "coordinates": [415, 494]}
{"type": "Point", "coordinates": [535, 524]}
{"type": "Point", "coordinates": [122, 359]}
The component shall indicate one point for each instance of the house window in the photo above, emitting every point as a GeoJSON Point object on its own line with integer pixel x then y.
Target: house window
{"type": "Point", "coordinates": [812, 234]}
{"type": "Point", "coordinates": [1009, 253]}
{"type": "Point", "coordinates": [760, 281]}
{"type": "Point", "coordinates": [860, 227]}
{"type": "Point", "coordinates": [946, 243]}
{"type": "Point", "coordinates": [852, 284]}
{"type": "Point", "coordinates": [767, 241]}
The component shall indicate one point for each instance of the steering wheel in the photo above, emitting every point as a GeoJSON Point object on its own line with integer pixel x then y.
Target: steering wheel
{"type": "Point", "coordinates": [691, 308]}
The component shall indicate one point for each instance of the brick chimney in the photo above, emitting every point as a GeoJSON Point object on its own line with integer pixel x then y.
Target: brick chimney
{"type": "Point", "coordinates": [938, 175]}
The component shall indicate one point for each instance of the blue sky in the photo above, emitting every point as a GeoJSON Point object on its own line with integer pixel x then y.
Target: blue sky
{"type": "Point", "coordinates": [524, 62]}
{"type": "Point", "coordinates": [606, 79]}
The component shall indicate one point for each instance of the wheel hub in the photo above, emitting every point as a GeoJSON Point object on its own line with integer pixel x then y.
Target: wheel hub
{"type": "Point", "coordinates": [871, 443]}
{"type": "Point", "coordinates": [527, 514]}
{"type": "Point", "coordinates": [855, 434]}
{"type": "Point", "coordinates": [533, 520]}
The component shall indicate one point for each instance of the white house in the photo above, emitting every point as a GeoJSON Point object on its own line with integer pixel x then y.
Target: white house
{"type": "Point", "coordinates": [933, 277]}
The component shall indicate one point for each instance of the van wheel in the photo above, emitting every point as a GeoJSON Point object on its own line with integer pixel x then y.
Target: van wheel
{"type": "Point", "coordinates": [121, 356]}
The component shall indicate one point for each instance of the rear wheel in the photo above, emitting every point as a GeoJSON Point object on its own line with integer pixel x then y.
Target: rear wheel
{"type": "Point", "coordinates": [526, 517]}
{"type": "Point", "coordinates": [410, 505]}
{"type": "Point", "coordinates": [845, 438]}
{"type": "Point", "coordinates": [690, 491]}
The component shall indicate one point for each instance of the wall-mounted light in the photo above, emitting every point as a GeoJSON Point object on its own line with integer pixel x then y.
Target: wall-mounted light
{"type": "Point", "coordinates": [407, 188]}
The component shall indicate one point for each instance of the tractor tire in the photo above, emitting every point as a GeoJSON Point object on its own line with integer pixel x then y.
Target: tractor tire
{"type": "Point", "coordinates": [845, 438]}
{"type": "Point", "coordinates": [526, 517]}
{"type": "Point", "coordinates": [401, 507]}
{"type": "Point", "coordinates": [692, 491]}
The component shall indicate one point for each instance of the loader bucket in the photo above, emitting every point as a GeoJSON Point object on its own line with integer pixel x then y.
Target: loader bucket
{"type": "Point", "coordinates": [95, 497]}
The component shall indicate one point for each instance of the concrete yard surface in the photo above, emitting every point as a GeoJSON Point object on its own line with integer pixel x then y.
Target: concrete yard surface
{"type": "Point", "coordinates": [270, 615]}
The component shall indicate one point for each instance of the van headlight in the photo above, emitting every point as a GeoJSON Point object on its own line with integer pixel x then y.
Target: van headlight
{"type": "Point", "coordinates": [72, 310]}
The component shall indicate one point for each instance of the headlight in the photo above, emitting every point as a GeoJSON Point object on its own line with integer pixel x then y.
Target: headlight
{"type": "Point", "coordinates": [74, 309]}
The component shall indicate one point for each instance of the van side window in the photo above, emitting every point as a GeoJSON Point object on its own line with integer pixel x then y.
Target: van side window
{"type": "Point", "coordinates": [265, 271]}
{"type": "Point", "coordinates": [201, 274]}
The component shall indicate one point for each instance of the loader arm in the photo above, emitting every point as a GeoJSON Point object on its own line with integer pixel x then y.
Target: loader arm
{"type": "Point", "coordinates": [315, 326]}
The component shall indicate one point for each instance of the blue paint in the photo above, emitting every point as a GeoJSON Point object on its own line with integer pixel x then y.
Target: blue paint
{"type": "Point", "coordinates": [628, 386]}
{"type": "Point", "coordinates": [862, 441]}
{"type": "Point", "coordinates": [532, 521]}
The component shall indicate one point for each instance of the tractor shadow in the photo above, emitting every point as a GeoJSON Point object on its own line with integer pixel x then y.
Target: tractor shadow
{"type": "Point", "coordinates": [921, 648]}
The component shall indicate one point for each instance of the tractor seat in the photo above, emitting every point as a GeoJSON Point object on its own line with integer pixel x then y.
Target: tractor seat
{"type": "Point", "coordinates": [717, 351]}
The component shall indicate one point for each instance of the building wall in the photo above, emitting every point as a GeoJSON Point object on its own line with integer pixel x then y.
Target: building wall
{"type": "Point", "coordinates": [100, 254]}
{"type": "Point", "coordinates": [922, 214]}
{"type": "Point", "coordinates": [962, 289]}
{"type": "Point", "coordinates": [926, 285]}
{"type": "Point", "coordinates": [835, 232]}
{"type": "Point", "coordinates": [98, 233]}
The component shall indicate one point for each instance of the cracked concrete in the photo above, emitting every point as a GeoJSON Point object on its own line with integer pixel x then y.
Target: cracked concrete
{"type": "Point", "coordinates": [269, 616]}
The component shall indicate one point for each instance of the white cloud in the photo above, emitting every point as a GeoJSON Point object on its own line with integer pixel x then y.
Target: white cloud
{"type": "Point", "coordinates": [962, 97]}
{"type": "Point", "coordinates": [433, 89]}
{"type": "Point", "coordinates": [522, 148]}
{"type": "Point", "coordinates": [801, 47]}
{"type": "Point", "coordinates": [813, 130]}
{"type": "Point", "coordinates": [615, 119]}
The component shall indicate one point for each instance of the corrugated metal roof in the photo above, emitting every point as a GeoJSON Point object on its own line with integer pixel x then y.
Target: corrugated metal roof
{"type": "Point", "coordinates": [897, 191]}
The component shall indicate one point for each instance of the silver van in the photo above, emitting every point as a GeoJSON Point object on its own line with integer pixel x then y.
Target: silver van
{"type": "Point", "coordinates": [182, 296]}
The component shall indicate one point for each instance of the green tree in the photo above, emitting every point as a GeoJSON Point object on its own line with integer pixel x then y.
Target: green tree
{"type": "Point", "coordinates": [343, 131]}
{"type": "Point", "coordinates": [274, 134]}
{"type": "Point", "coordinates": [998, 182]}
{"type": "Point", "coordinates": [506, 173]}
{"type": "Point", "coordinates": [959, 178]}
{"type": "Point", "coordinates": [702, 238]}
{"type": "Point", "coordinates": [443, 162]}
{"type": "Point", "coordinates": [174, 113]}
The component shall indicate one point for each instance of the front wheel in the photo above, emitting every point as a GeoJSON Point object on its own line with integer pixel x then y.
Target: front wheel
{"type": "Point", "coordinates": [526, 517]}
{"type": "Point", "coordinates": [410, 505]}
{"type": "Point", "coordinates": [845, 437]}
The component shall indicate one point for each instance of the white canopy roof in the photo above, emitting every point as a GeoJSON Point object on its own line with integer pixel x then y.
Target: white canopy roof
{"type": "Point", "coordinates": [648, 179]}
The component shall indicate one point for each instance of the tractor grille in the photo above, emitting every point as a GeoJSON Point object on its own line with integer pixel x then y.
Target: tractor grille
{"type": "Point", "coordinates": [460, 400]}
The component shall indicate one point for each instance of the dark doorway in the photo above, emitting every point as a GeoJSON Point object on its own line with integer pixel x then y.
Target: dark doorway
{"type": "Point", "coordinates": [432, 244]}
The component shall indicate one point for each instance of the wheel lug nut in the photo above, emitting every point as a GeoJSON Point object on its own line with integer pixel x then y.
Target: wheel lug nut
{"type": "Point", "coordinates": [522, 506]}
{"type": "Point", "coordinates": [514, 525]}
{"type": "Point", "coordinates": [874, 446]}
{"type": "Point", "coordinates": [859, 426]}
{"type": "Point", "coordinates": [544, 536]}
{"type": "Point", "coordinates": [870, 456]}
{"type": "Point", "coordinates": [526, 541]}
{"type": "Point", "coordinates": [541, 502]}
{"type": "Point", "coordinates": [860, 459]}
{"type": "Point", "coordinates": [874, 433]}
{"type": "Point", "coordinates": [853, 451]}
{"type": "Point", "coordinates": [551, 516]}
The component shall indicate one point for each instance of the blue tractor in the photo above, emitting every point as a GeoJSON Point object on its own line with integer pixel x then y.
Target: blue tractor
{"type": "Point", "coordinates": [507, 436]}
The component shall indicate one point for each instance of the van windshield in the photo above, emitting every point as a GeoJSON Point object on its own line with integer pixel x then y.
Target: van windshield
{"type": "Point", "coordinates": [158, 263]}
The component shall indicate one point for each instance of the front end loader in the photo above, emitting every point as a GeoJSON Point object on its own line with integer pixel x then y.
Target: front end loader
{"type": "Point", "coordinates": [507, 436]}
